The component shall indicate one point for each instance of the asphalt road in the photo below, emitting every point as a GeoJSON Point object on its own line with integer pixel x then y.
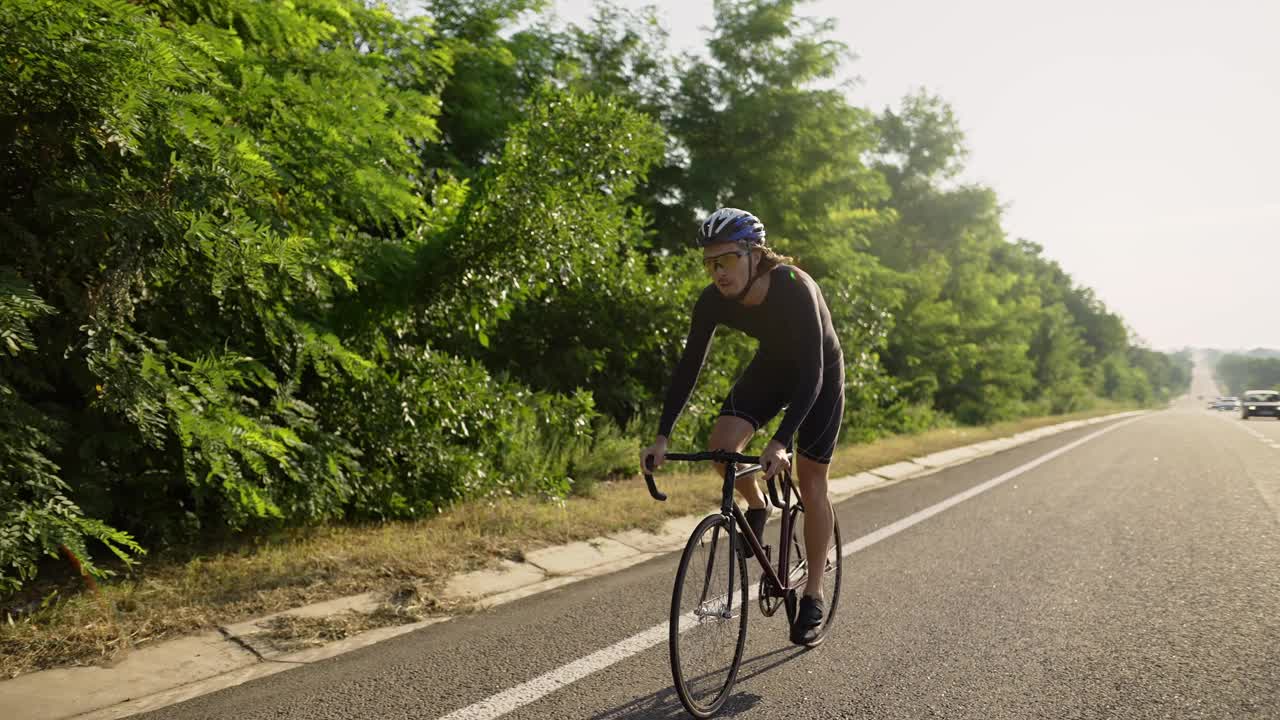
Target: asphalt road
{"type": "Point", "coordinates": [1134, 576]}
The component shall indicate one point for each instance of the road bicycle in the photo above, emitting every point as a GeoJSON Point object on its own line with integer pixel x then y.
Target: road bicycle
{"type": "Point", "coordinates": [708, 625]}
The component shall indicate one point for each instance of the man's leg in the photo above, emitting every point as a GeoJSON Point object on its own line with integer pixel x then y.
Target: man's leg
{"type": "Point", "coordinates": [819, 520]}
{"type": "Point", "coordinates": [752, 402]}
{"type": "Point", "coordinates": [733, 433]}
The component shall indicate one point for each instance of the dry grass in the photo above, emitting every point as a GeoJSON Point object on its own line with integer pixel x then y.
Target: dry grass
{"type": "Point", "coordinates": [291, 632]}
{"type": "Point", "coordinates": [173, 597]}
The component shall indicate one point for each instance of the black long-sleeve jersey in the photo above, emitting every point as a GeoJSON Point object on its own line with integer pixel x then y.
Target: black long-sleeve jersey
{"type": "Point", "coordinates": [796, 338]}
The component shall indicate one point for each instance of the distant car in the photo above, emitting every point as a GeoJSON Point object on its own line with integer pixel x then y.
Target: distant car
{"type": "Point", "coordinates": [1260, 403]}
{"type": "Point", "coordinates": [1225, 403]}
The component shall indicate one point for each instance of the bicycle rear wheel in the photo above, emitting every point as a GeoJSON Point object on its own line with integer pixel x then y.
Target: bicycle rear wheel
{"type": "Point", "coordinates": [708, 617]}
{"type": "Point", "coordinates": [831, 571]}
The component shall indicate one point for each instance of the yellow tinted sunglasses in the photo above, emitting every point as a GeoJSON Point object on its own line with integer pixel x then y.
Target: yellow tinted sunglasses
{"type": "Point", "coordinates": [726, 261]}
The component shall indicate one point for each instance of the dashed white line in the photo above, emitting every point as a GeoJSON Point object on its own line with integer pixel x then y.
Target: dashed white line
{"type": "Point", "coordinates": [1262, 437]}
{"type": "Point", "coordinates": [547, 683]}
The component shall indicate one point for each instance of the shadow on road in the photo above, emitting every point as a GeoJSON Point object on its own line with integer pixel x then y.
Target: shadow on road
{"type": "Point", "coordinates": [665, 705]}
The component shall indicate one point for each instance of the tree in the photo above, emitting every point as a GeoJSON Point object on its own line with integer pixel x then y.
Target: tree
{"type": "Point", "coordinates": [492, 75]}
{"type": "Point", "coordinates": [189, 187]}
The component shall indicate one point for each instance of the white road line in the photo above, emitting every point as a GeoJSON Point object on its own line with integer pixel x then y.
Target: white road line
{"type": "Point", "coordinates": [547, 683]}
{"type": "Point", "coordinates": [1266, 439]}
{"type": "Point", "coordinates": [892, 529]}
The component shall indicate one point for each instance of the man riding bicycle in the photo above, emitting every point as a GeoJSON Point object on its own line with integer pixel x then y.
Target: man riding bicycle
{"type": "Point", "coordinates": [799, 365]}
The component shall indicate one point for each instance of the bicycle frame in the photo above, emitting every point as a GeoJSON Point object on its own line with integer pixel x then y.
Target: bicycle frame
{"type": "Point", "coordinates": [731, 461]}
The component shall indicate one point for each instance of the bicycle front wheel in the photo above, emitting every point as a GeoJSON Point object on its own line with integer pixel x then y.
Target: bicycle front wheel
{"type": "Point", "coordinates": [708, 617]}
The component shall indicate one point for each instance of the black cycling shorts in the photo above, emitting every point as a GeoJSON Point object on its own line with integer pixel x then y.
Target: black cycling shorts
{"type": "Point", "coordinates": [757, 397]}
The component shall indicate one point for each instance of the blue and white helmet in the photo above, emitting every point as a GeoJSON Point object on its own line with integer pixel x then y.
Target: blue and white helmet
{"type": "Point", "coordinates": [731, 225]}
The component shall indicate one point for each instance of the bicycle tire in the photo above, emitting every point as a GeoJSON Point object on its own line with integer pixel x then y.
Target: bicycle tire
{"type": "Point", "coordinates": [708, 557]}
{"type": "Point", "coordinates": [833, 572]}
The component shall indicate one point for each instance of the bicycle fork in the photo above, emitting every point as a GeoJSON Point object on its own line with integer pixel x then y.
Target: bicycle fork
{"type": "Point", "coordinates": [702, 611]}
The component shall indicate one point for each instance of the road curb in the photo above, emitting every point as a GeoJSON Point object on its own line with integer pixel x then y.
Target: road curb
{"type": "Point", "coordinates": [176, 670]}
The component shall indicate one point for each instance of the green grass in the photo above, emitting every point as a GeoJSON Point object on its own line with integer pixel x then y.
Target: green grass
{"type": "Point", "coordinates": [176, 596]}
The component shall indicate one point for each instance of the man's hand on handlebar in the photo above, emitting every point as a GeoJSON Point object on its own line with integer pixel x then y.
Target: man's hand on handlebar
{"type": "Point", "coordinates": [774, 459]}
{"type": "Point", "coordinates": [652, 457]}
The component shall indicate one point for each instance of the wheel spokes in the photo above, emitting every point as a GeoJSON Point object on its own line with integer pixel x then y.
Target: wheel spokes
{"type": "Point", "coordinates": [709, 624]}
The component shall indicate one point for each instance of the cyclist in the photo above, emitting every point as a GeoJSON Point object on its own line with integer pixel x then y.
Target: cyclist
{"type": "Point", "coordinates": [799, 365]}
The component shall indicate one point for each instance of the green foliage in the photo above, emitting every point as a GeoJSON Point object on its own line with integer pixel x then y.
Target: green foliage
{"type": "Point", "coordinates": [575, 332]}
{"type": "Point", "coordinates": [551, 207]}
{"type": "Point", "coordinates": [191, 187]}
{"type": "Point", "coordinates": [1057, 348]}
{"type": "Point", "coordinates": [442, 429]}
{"type": "Point", "coordinates": [1240, 373]}
{"type": "Point", "coordinates": [611, 452]}
{"type": "Point", "coordinates": [763, 128]}
{"type": "Point", "coordinates": [491, 77]}
{"type": "Point", "coordinates": [36, 516]}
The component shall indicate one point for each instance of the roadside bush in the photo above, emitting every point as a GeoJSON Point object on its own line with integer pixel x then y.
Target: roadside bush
{"type": "Point", "coordinates": [611, 452]}
{"type": "Point", "coordinates": [37, 518]}
{"type": "Point", "coordinates": [436, 429]}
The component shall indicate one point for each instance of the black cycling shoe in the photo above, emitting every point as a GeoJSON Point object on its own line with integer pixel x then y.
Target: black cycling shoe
{"type": "Point", "coordinates": [756, 518]}
{"type": "Point", "coordinates": [805, 631]}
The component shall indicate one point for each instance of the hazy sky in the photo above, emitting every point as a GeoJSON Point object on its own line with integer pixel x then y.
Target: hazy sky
{"type": "Point", "coordinates": [1136, 140]}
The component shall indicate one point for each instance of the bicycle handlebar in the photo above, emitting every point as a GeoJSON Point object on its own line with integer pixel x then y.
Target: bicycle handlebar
{"type": "Point", "coordinates": [720, 456]}
{"type": "Point", "coordinates": [653, 487]}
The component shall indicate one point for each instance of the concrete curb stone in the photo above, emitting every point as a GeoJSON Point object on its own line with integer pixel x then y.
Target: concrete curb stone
{"type": "Point", "coordinates": [898, 471]}
{"type": "Point", "coordinates": [492, 581]}
{"type": "Point", "coordinates": [672, 536]}
{"type": "Point", "coordinates": [848, 486]}
{"type": "Point", "coordinates": [251, 671]}
{"type": "Point", "coordinates": [946, 457]}
{"type": "Point", "coordinates": [44, 695]}
{"type": "Point", "coordinates": [994, 446]}
{"type": "Point", "coordinates": [572, 558]}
